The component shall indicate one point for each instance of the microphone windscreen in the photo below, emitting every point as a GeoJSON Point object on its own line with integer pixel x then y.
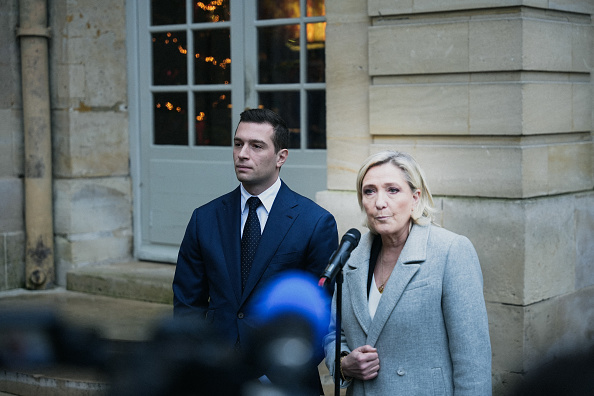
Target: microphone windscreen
{"type": "Point", "coordinates": [294, 293]}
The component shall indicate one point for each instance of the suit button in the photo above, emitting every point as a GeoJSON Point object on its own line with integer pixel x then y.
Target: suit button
{"type": "Point", "coordinates": [400, 372]}
{"type": "Point", "coordinates": [240, 315]}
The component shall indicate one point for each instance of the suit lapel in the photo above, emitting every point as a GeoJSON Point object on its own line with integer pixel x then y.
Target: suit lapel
{"type": "Point", "coordinates": [409, 262]}
{"type": "Point", "coordinates": [282, 215]}
{"type": "Point", "coordinates": [229, 229]}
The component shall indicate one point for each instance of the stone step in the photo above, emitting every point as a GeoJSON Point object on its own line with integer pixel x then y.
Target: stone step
{"type": "Point", "coordinates": [136, 280]}
{"type": "Point", "coordinates": [54, 382]}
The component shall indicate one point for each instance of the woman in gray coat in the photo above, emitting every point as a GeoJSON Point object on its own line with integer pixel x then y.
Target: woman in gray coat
{"type": "Point", "coordinates": [413, 313]}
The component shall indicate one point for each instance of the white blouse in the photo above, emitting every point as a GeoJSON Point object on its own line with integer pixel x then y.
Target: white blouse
{"type": "Point", "coordinates": [374, 297]}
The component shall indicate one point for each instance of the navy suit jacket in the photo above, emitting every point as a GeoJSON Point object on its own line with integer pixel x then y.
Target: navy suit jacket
{"type": "Point", "coordinates": [298, 234]}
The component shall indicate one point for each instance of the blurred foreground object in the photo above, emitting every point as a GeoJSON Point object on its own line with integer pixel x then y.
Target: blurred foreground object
{"type": "Point", "coordinates": [182, 356]}
{"type": "Point", "coordinates": [570, 375]}
{"type": "Point", "coordinates": [32, 339]}
{"type": "Point", "coordinates": [293, 315]}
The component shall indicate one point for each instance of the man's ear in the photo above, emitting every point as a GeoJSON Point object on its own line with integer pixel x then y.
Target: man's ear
{"type": "Point", "coordinates": [281, 157]}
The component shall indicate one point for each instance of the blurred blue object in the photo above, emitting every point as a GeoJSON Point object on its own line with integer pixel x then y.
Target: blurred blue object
{"type": "Point", "coordinates": [295, 293]}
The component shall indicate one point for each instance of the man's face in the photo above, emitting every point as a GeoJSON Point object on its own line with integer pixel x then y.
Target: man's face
{"type": "Point", "coordinates": [256, 164]}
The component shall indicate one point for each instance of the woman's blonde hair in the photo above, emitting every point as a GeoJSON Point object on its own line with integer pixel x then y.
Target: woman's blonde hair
{"type": "Point", "coordinates": [424, 211]}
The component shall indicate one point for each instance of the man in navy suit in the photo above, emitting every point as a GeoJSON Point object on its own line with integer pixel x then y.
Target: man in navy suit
{"type": "Point", "coordinates": [296, 234]}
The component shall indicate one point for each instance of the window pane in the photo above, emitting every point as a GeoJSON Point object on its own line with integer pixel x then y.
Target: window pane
{"type": "Point", "coordinates": [169, 58]}
{"type": "Point", "coordinates": [272, 9]}
{"type": "Point", "coordinates": [316, 52]}
{"type": "Point", "coordinates": [168, 12]}
{"type": "Point", "coordinates": [211, 11]}
{"type": "Point", "coordinates": [287, 105]}
{"type": "Point", "coordinates": [316, 8]}
{"type": "Point", "coordinates": [213, 118]}
{"type": "Point", "coordinates": [212, 60]}
{"type": "Point", "coordinates": [171, 120]}
{"type": "Point", "coordinates": [316, 117]}
{"type": "Point", "coordinates": [278, 54]}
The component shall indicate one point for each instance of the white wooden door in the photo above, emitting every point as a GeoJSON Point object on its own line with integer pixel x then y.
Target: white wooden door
{"type": "Point", "coordinates": [194, 67]}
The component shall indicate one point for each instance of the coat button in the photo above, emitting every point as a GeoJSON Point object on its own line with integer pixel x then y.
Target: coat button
{"type": "Point", "coordinates": [400, 372]}
{"type": "Point", "coordinates": [240, 315]}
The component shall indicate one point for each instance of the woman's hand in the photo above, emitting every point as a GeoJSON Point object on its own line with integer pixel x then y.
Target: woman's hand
{"type": "Point", "coordinates": [362, 363]}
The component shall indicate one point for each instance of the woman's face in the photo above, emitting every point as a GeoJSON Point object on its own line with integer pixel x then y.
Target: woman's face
{"type": "Point", "coordinates": [388, 199]}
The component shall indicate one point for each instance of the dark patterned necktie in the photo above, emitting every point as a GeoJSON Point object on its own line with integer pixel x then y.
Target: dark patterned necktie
{"type": "Point", "coordinates": [250, 239]}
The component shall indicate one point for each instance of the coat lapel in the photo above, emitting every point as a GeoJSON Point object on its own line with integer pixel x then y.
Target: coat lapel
{"type": "Point", "coordinates": [355, 274]}
{"type": "Point", "coordinates": [282, 215]}
{"type": "Point", "coordinates": [229, 229]}
{"type": "Point", "coordinates": [409, 262]}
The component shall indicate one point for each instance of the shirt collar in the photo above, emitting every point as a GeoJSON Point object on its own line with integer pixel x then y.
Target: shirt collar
{"type": "Point", "coordinates": [266, 197]}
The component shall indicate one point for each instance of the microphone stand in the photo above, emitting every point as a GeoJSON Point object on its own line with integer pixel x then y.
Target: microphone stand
{"type": "Point", "coordinates": [339, 258]}
{"type": "Point", "coordinates": [339, 280]}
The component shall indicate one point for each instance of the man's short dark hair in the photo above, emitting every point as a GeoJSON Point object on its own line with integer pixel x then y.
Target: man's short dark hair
{"type": "Point", "coordinates": [280, 138]}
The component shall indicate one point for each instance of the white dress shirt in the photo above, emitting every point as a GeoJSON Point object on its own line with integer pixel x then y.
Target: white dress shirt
{"type": "Point", "coordinates": [267, 198]}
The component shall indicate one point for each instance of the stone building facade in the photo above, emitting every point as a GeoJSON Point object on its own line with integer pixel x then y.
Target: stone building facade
{"type": "Point", "coordinates": [493, 98]}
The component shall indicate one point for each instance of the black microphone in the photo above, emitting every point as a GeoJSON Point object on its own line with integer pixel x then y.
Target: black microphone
{"type": "Point", "coordinates": [349, 241]}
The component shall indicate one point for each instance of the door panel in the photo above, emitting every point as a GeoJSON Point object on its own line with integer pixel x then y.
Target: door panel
{"type": "Point", "coordinates": [178, 187]}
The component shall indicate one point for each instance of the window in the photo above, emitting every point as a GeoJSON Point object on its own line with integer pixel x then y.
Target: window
{"type": "Point", "coordinates": [195, 46]}
{"type": "Point", "coordinates": [191, 59]}
{"type": "Point", "coordinates": [291, 67]}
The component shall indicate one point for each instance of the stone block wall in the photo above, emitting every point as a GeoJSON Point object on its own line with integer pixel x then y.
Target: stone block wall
{"type": "Point", "coordinates": [12, 228]}
{"type": "Point", "coordinates": [495, 100]}
{"type": "Point", "coordinates": [91, 176]}
{"type": "Point", "coordinates": [92, 187]}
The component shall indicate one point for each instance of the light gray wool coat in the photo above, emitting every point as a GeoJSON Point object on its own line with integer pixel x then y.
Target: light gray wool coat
{"type": "Point", "coordinates": [430, 328]}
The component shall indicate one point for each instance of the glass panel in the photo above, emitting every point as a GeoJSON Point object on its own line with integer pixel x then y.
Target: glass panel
{"type": "Point", "coordinates": [316, 8]}
{"type": "Point", "coordinates": [316, 52]}
{"type": "Point", "coordinates": [211, 11]}
{"type": "Point", "coordinates": [273, 9]}
{"type": "Point", "coordinates": [171, 12]}
{"type": "Point", "coordinates": [169, 58]}
{"type": "Point", "coordinates": [171, 119]}
{"type": "Point", "coordinates": [212, 60]}
{"type": "Point", "coordinates": [316, 119]}
{"type": "Point", "coordinates": [213, 118]}
{"type": "Point", "coordinates": [287, 105]}
{"type": "Point", "coordinates": [278, 54]}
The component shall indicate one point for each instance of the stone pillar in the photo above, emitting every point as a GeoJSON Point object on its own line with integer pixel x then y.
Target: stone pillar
{"type": "Point", "coordinates": [347, 107]}
{"type": "Point", "coordinates": [496, 105]}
